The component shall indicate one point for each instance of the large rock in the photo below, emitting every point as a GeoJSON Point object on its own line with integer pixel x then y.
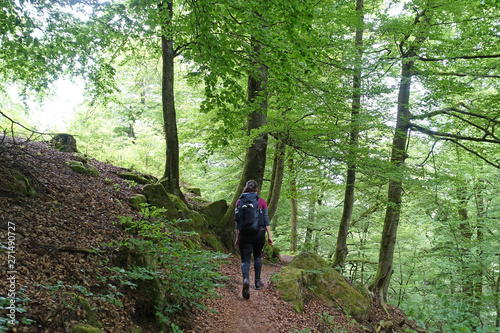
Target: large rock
{"type": "Point", "coordinates": [85, 169]}
{"type": "Point", "coordinates": [158, 197]}
{"type": "Point", "coordinates": [214, 212]}
{"type": "Point", "coordinates": [13, 183]}
{"type": "Point", "coordinates": [64, 142]}
{"type": "Point", "coordinates": [137, 201]}
{"type": "Point", "coordinates": [139, 179]}
{"type": "Point", "coordinates": [309, 270]}
{"type": "Point", "coordinates": [292, 282]}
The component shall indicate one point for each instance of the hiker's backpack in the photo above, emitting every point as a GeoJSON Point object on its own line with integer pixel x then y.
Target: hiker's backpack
{"type": "Point", "coordinates": [248, 213]}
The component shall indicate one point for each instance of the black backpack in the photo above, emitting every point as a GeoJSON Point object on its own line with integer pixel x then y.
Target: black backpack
{"type": "Point", "coordinates": [248, 212]}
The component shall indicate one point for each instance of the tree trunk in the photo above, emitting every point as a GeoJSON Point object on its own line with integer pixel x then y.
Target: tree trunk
{"type": "Point", "coordinates": [465, 238]}
{"type": "Point", "coordinates": [497, 299]}
{"type": "Point", "coordinates": [311, 217]}
{"type": "Point", "coordinates": [341, 248]}
{"type": "Point", "coordinates": [380, 283]}
{"type": "Point", "coordinates": [276, 179]}
{"type": "Point", "coordinates": [293, 202]}
{"type": "Point", "coordinates": [384, 272]}
{"type": "Point", "coordinates": [171, 176]}
{"type": "Point", "coordinates": [255, 156]}
{"type": "Point", "coordinates": [479, 274]}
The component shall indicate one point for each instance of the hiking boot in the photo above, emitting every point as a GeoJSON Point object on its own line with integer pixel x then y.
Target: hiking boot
{"type": "Point", "coordinates": [246, 289]}
{"type": "Point", "coordinates": [258, 285]}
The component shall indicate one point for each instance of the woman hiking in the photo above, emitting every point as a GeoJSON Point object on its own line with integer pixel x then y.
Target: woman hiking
{"type": "Point", "coordinates": [252, 223]}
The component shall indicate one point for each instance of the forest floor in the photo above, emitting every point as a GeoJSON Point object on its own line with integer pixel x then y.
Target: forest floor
{"type": "Point", "coordinates": [265, 311]}
{"type": "Point", "coordinates": [67, 233]}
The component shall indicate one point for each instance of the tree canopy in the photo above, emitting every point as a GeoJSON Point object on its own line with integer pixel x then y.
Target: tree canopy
{"type": "Point", "coordinates": [371, 125]}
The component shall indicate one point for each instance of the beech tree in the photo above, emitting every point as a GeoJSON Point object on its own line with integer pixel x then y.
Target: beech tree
{"type": "Point", "coordinates": [428, 20]}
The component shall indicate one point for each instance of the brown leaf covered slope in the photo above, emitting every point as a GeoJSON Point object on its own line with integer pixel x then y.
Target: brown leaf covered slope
{"type": "Point", "coordinates": [66, 234]}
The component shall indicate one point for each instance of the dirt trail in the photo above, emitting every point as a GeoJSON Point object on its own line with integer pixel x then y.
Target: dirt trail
{"type": "Point", "coordinates": [263, 312]}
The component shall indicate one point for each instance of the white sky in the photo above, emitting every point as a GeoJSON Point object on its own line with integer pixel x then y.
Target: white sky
{"type": "Point", "coordinates": [55, 113]}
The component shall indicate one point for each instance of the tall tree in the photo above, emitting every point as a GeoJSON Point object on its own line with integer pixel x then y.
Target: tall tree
{"type": "Point", "coordinates": [380, 283]}
{"type": "Point", "coordinates": [276, 178]}
{"type": "Point", "coordinates": [341, 247]}
{"type": "Point", "coordinates": [293, 203]}
{"type": "Point", "coordinates": [171, 175]}
{"type": "Point", "coordinates": [415, 47]}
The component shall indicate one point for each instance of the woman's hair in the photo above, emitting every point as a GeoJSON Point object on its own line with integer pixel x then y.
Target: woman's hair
{"type": "Point", "coordinates": [251, 186]}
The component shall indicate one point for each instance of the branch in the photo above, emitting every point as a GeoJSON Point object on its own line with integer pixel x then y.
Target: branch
{"type": "Point", "coordinates": [475, 153]}
{"type": "Point", "coordinates": [451, 136]}
{"type": "Point", "coordinates": [488, 56]}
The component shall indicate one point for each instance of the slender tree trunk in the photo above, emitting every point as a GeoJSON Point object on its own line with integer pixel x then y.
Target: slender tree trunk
{"type": "Point", "coordinates": [496, 293]}
{"type": "Point", "coordinates": [274, 223]}
{"type": "Point", "coordinates": [384, 272]}
{"type": "Point", "coordinates": [479, 274]}
{"type": "Point", "coordinates": [171, 175]}
{"type": "Point", "coordinates": [276, 179]}
{"type": "Point", "coordinates": [466, 236]}
{"type": "Point", "coordinates": [380, 283]}
{"type": "Point", "coordinates": [341, 248]}
{"type": "Point", "coordinates": [293, 202]}
{"type": "Point", "coordinates": [311, 216]}
{"type": "Point", "coordinates": [255, 156]}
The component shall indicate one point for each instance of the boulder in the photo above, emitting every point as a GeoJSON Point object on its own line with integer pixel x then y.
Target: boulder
{"type": "Point", "coordinates": [292, 282]}
{"type": "Point", "coordinates": [80, 309]}
{"type": "Point", "coordinates": [64, 142]}
{"type": "Point", "coordinates": [325, 283]}
{"type": "Point", "coordinates": [137, 201]}
{"type": "Point", "coordinates": [16, 184]}
{"type": "Point", "coordinates": [178, 204]}
{"type": "Point", "coordinates": [85, 169]}
{"type": "Point", "coordinates": [196, 191]}
{"type": "Point", "coordinates": [212, 242]}
{"type": "Point", "coordinates": [81, 157]}
{"type": "Point", "coordinates": [158, 197]}
{"type": "Point", "coordinates": [214, 212]}
{"type": "Point", "coordinates": [84, 328]}
{"type": "Point", "coordinates": [139, 179]}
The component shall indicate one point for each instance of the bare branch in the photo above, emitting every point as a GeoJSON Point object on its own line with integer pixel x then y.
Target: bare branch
{"type": "Point", "coordinates": [451, 136]}
{"type": "Point", "coordinates": [486, 56]}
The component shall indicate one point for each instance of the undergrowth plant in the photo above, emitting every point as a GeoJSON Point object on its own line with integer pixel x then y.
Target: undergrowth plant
{"type": "Point", "coordinates": [187, 275]}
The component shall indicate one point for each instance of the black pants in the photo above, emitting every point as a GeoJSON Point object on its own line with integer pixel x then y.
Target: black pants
{"type": "Point", "coordinates": [248, 243]}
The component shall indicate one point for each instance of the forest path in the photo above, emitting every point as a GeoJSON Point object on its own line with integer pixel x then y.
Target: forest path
{"type": "Point", "coordinates": [265, 311]}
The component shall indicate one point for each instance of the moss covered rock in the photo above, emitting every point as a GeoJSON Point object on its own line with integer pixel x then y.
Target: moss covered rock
{"type": "Point", "coordinates": [81, 157]}
{"type": "Point", "coordinates": [84, 328]}
{"type": "Point", "coordinates": [213, 242]}
{"type": "Point", "coordinates": [86, 169]}
{"type": "Point", "coordinates": [179, 205]}
{"type": "Point", "coordinates": [291, 282]}
{"type": "Point", "coordinates": [64, 142]}
{"type": "Point", "coordinates": [200, 200]}
{"type": "Point", "coordinates": [82, 309]}
{"type": "Point", "coordinates": [193, 221]}
{"type": "Point", "coordinates": [18, 184]}
{"type": "Point", "coordinates": [214, 212]}
{"type": "Point", "coordinates": [139, 179]}
{"type": "Point", "coordinates": [196, 191]}
{"type": "Point", "coordinates": [158, 197]}
{"type": "Point", "coordinates": [329, 286]}
{"type": "Point", "coordinates": [137, 201]}
{"type": "Point", "coordinates": [271, 253]}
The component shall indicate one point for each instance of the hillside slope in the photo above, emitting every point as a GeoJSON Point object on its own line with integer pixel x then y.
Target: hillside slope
{"type": "Point", "coordinates": [58, 240]}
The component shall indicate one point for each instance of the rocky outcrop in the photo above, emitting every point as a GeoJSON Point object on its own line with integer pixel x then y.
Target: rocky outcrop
{"type": "Point", "coordinates": [308, 271]}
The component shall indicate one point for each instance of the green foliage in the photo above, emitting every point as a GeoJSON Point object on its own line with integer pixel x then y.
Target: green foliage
{"type": "Point", "coordinates": [187, 275]}
{"type": "Point", "coordinates": [14, 314]}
